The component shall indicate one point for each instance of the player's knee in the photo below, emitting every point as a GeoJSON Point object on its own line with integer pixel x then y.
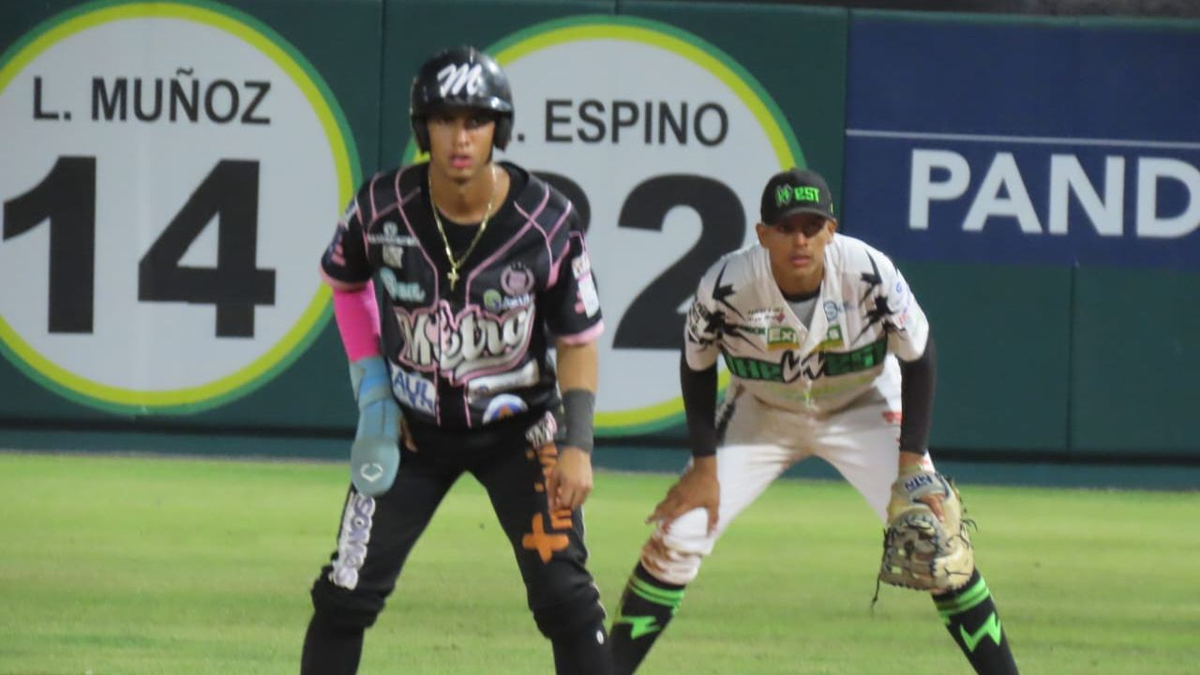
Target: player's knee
{"type": "Point", "coordinates": [338, 606]}
{"type": "Point", "coordinates": [674, 556]}
{"type": "Point", "coordinates": [563, 606]}
{"type": "Point", "coordinates": [569, 616]}
{"type": "Point", "coordinates": [670, 565]}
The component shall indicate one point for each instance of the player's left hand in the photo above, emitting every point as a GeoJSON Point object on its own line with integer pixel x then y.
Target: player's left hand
{"type": "Point", "coordinates": [569, 482]}
{"type": "Point", "coordinates": [935, 504]}
{"type": "Point", "coordinates": [922, 549]}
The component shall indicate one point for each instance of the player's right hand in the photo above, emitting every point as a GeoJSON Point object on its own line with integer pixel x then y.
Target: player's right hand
{"type": "Point", "coordinates": [911, 464]}
{"type": "Point", "coordinates": [696, 488]}
{"type": "Point", "coordinates": [374, 455]}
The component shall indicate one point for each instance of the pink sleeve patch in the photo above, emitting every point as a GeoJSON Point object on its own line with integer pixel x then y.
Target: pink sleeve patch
{"type": "Point", "coordinates": [357, 320]}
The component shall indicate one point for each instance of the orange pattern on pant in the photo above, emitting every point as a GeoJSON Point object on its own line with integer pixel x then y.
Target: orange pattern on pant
{"type": "Point", "coordinates": [538, 539]}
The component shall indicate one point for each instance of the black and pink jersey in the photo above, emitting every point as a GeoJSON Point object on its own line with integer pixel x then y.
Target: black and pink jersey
{"type": "Point", "coordinates": [467, 356]}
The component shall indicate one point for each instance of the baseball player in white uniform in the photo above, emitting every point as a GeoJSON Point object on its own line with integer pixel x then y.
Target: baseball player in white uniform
{"type": "Point", "coordinates": [825, 345]}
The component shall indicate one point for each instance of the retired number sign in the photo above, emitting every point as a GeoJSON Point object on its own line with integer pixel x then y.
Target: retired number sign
{"type": "Point", "coordinates": [663, 142]}
{"type": "Point", "coordinates": [169, 174]}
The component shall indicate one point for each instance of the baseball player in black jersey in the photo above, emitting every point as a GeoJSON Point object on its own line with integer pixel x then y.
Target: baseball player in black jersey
{"type": "Point", "coordinates": [477, 262]}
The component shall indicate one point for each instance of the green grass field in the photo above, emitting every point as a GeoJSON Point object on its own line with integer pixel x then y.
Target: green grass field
{"type": "Point", "coordinates": [137, 566]}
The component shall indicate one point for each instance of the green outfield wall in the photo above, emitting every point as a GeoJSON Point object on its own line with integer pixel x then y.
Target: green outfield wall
{"type": "Point", "coordinates": [173, 171]}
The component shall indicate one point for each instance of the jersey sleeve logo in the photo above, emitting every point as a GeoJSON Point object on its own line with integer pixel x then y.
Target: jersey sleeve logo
{"type": "Point", "coordinates": [336, 253]}
{"type": "Point", "coordinates": [878, 309]}
{"type": "Point", "coordinates": [703, 326]}
{"type": "Point", "coordinates": [721, 292]}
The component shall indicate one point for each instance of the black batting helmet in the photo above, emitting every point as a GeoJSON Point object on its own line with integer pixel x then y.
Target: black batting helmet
{"type": "Point", "coordinates": [463, 77]}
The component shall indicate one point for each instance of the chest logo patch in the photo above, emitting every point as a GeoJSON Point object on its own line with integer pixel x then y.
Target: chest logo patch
{"type": "Point", "coordinates": [466, 345]}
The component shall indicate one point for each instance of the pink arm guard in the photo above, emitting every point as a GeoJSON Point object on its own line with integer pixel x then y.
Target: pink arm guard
{"type": "Point", "coordinates": [358, 321]}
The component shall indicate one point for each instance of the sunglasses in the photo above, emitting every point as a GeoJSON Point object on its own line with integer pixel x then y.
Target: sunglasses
{"type": "Point", "coordinates": [810, 226]}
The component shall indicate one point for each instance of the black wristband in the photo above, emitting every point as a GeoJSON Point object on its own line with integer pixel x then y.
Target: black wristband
{"type": "Point", "coordinates": [579, 406]}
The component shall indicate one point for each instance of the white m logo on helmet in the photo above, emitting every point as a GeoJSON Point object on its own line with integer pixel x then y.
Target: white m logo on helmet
{"type": "Point", "coordinates": [453, 78]}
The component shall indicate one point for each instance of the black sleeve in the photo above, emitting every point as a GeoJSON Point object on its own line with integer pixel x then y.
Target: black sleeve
{"type": "Point", "coordinates": [345, 259]}
{"type": "Point", "coordinates": [572, 305]}
{"type": "Point", "coordinates": [700, 407]}
{"type": "Point", "coordinates": [917, 379]}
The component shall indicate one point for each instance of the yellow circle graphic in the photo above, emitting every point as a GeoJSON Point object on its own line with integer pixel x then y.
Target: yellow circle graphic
{"type": "Point", "coordinates": [345, 163]}
{"type": "Point", "coordinates": [749, 91]}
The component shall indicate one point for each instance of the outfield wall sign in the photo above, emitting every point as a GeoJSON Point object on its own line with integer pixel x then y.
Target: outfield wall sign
{"type": "Point", "coordinates": [1014, 144]}
{"type": "Point", "coordinates": [168, 172]}
{"type": "Point", "coordinates": [663, 142]}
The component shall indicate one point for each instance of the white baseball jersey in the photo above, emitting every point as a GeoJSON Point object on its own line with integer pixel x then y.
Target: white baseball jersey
{"type": "Point", "coordinates": [808, 386]}
{"type": "Point", "coordinates": [864, 312]}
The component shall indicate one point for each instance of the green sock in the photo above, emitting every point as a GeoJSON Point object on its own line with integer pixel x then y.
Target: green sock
{"type": "Point", "coordinates": [971, 617]}
{"type": "Point", "coordinates": [646, 608]}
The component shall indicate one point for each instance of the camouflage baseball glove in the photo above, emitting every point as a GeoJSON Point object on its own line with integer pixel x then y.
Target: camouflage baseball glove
{"type": "Point", "coordinates": [920, 551]}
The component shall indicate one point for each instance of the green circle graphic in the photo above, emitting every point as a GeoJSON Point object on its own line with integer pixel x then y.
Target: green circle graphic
{"type": "Point", "coordinates": [342, 148]}
{"type": "Point", "coordinates": [705, 55]}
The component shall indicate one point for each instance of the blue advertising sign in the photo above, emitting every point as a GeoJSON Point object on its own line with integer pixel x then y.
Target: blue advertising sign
{"type": "Point", "coordinates": [1018, 143]}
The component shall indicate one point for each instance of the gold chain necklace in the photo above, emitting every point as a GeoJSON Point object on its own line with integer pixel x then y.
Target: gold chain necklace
{"type": "Point", "coordinates": [452, 275]}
